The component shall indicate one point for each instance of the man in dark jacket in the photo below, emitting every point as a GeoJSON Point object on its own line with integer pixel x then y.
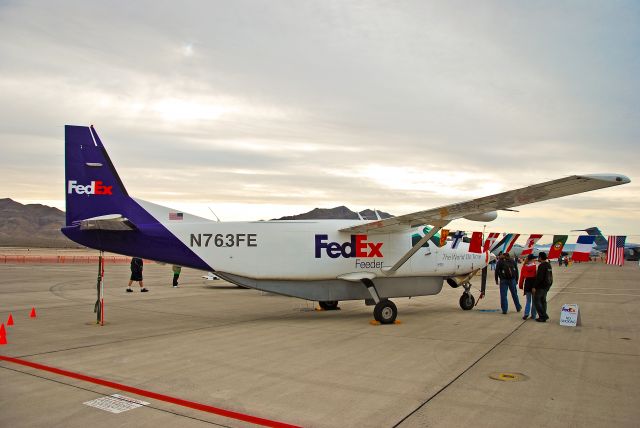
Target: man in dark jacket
{"type": "Point", "coordinates": [507, 274]}
{"type": "Point", "coordinates": [544, 279]}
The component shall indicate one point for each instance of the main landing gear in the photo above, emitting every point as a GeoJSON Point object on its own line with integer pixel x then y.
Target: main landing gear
{"type": "Point", "coordinates": [385, 311]}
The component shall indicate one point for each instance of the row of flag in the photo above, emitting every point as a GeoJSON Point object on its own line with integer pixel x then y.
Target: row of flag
{"type": "Point", "coordinates": [581, 251]}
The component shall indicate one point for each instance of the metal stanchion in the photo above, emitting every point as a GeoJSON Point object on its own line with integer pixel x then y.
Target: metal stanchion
{"type": "Point", "coordinates": [99, 306]}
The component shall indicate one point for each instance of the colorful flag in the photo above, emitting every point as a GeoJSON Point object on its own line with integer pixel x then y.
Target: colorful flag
{"type": "Point", "coordinates": [443, 236]}
{"type": "Point", "coordinates": [583, 248]}
{"type": "Point", "coordinates": [501, 242]}
{"type": "Point", "coordinates": [435, 238]}
{"type": "Point", "coordinates": [457, 238]}
{"type": "Point", "coordinates": [528, 248]}
{"type": "Point", "coordinates": [510, 239]}
{"type": "Point", "coordinates": [491, 239]}
{"type": "Point", "coordinates": [176, 216]}
{"type": "Point", "coordinates": [615, 250]}
{"type": "Point", "coordinates": [475, 246]}
{"type": "Point", "coordinates": [555, 250]}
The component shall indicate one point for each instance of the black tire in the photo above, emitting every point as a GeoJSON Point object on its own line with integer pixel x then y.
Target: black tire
{"type": "Point", "coordinates": [467, 301]}
{"type": "Point", "coordinates": [329, 305]}
{"type": "Point", "coordinates": [385, 312]}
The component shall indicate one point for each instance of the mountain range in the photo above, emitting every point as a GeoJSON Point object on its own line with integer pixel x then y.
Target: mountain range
{"type": "Point", "coordinates": [31, 225]}
{"type": "Point", "coordinates": [36, 225]}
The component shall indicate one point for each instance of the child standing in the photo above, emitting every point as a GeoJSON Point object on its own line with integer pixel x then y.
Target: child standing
{"type": "Point", "coordinates": [528, 277]}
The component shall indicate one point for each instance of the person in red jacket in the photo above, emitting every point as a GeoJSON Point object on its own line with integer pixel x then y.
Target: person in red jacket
{"type": "Point", "coordinates": [528, 277]}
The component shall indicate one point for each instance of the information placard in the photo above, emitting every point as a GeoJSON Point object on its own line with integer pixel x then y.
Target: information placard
{"type": "Point", "coordinates": [570, 315]}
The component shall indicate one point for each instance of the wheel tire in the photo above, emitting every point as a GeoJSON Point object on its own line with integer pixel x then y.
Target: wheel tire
{"type": "Point", "coordinates": [467, 301]}
{"type": "Point", "coordinates": [329, 305]}
{"type": "Point", "coordinates": [385, 312]}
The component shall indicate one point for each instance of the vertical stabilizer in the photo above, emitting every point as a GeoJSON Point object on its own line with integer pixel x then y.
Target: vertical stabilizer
{"type": "Point", "coordinates": [601, 241]}
{"type": "Point", "coordinates": [92, 185]}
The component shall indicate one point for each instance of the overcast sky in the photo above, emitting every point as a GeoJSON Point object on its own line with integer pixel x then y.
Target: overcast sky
{"type": "Point", "coordinates": [265, 109]}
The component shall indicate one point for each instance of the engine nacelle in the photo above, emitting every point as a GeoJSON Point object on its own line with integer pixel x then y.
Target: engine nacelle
{"type": "Point", "coordinates": [488, 216]}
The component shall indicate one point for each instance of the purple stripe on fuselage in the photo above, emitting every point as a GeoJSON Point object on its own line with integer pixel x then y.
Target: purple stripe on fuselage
{"type": "Point", "coordinates": [152, 241]}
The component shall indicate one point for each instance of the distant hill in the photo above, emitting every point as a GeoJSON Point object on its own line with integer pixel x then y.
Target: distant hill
{"type": "Point", "coordinates": [31, 225]}
{"type": "Point", "coordinates": [337, 213]}
{"type": "Point", "coordinates": [36, 225]}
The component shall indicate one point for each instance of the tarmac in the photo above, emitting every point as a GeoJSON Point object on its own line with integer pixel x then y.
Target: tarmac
{"type": "Point", "coordinates": [207, 348]}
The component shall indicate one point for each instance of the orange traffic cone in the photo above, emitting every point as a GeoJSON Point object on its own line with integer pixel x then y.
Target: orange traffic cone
{"type": "Point", "coordinates": [3, 335]}
{"type": "Point", "coordinates": [33, 313]}
{"type": "Point", "coordinates": [10, 320]}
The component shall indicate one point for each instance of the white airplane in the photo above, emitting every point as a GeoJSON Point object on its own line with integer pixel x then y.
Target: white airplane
{"type": "Point", "coordinates": [321, 260]}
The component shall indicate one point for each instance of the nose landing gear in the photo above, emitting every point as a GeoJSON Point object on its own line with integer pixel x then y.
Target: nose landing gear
{"type": "Point", "coordinates": [467, 301]}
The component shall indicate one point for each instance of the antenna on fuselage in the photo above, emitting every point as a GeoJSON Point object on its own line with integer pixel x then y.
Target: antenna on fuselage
{"type": "Point", "coordinates": [214, 214]}
{"type": "Point", "coordinates": [377, 214]}
{"type": "Point", "coordinates": [360, 215]}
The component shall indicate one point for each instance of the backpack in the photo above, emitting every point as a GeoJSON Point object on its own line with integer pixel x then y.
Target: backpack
{"type": "Point", "coordinates": [506, 271]}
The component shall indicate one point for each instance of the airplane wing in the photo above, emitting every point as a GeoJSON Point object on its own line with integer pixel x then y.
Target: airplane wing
{"type": "Point", "coordinates": [486, 205]}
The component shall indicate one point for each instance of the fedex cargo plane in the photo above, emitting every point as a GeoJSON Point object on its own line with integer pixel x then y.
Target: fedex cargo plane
{"type": "Point", "coordinates": [321, 260]}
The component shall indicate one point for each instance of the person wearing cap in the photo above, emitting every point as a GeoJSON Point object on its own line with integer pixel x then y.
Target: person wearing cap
{"type": "Point", "coordinates": [544, 280]}
{"type": "Point", "coordinates": [507, 277]}
{"type": "Point", "coordinates": [527, 282]}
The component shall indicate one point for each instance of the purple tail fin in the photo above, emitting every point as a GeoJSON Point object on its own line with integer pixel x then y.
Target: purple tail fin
{"type": "Point", "coordinates": [92, 185]}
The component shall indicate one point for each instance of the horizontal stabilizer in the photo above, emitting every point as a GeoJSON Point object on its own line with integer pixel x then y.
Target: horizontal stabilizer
{"type": "Point", "coordinates": [113, 222]}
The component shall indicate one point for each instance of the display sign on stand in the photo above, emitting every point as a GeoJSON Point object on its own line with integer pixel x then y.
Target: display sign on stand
{"type": "Point", "coordinates": [570, 315]}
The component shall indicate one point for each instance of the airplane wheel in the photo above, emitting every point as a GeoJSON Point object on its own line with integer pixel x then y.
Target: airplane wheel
{"type": "Point", "coordinates": [329, 305]}
{"type": "Point", "coordinates": [385, 312]}
{"type": "Point", "coordinates": [467, 301]}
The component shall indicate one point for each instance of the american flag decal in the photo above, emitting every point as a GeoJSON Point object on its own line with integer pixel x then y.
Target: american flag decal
{"type": "Point", "coordinates": [176, 216]}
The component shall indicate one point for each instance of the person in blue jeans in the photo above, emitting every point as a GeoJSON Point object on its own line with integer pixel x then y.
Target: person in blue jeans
{"type": "Point", "coordinates": [507, 275]}
{"type": "Point", "coordinates": [528, 282]}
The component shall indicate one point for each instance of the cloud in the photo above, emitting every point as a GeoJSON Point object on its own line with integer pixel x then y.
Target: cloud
{"type": "Point", "coordinates": [289, 106]}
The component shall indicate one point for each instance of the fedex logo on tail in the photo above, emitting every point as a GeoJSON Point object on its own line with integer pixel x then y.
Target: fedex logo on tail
{"type": "Point", "coordinates": [358, 246]}
{"type": "Point", "coordinates": [95, 188]}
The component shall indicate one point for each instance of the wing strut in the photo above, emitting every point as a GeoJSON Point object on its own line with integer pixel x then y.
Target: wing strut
{"type": "Point", "coordinates": [391, 270]}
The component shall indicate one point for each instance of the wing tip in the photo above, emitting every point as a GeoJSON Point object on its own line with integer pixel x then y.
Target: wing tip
{"type": "Point", "coordinates": [614, 179]}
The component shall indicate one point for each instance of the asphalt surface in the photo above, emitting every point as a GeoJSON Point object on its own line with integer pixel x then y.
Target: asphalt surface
{"type": "Point", "coordinates": [276, 358]}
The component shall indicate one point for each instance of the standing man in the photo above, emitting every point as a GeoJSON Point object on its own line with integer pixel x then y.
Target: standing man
{"type": "Point", "coordinates": [136, 274]}
{"type": "Point", "coordinates": [544, 280]}
{"type": "Point", "coordinates": [507, 275]}
{"type": "Point", "coordinates": [176, 275]}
